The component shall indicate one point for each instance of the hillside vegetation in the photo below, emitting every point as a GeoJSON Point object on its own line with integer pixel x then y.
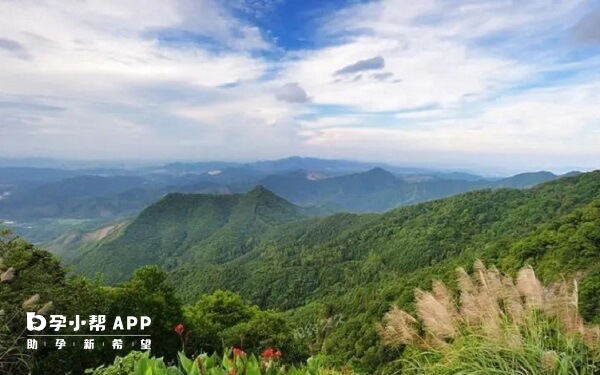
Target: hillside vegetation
{"type": "Point", "coordinates": [497, 324]}
{"type": "Point", "coordinates": [184, 227]}
{"type": "Point", "coordinates": [356, 265]}
{"type": "Point", "coordinates": [331, 278]}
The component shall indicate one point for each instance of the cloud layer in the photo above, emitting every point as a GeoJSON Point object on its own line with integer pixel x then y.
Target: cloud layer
{"type": "Point", "coordinates": [512, 85]}
{"type": "Point", "coordinates": [374, 63]}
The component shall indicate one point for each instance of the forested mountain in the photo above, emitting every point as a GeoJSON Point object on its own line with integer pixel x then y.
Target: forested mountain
{"type": "Point", "coordinates": [35, 193]}
{"type": "Point", "coordinates": [352, 267]}
{"type": "Point", "coordinates": [44, 204]}
{"type": "Point", "coordinates": [180, 227]}
{"type": "Point", "coordinates": [112, 197]}
{"type": "Point", "coordinates": [245, 242]}
{"type": "Point", "coordinates": [77, 197]}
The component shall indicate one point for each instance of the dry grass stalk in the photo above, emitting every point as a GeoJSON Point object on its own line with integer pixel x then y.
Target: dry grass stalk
{"type": "Point", "coordinates": [530, 288]}
{"type": "Point", "coordinates": [399, 328]}
{"type": "Point", "coordinates": [445, 298]}
{"type": "Point", "coordinates": [8, 275]}
{"type": "Point", "coordinates": [512, 336]}
{"type": "Point", "coordinates": [465, 283]}
{"type": "Point", "coordinates": [549, 360]}
{"type": "Point", "coordinates": [45, 309]}
{"type": "Point", "coordinates": [591, 336]}
{"type": "Point", "coordinates": [31, 301]}
{"type": "Point", "coordinates": [491, 304]}
{"type": "Point", "coordinates": [435, 313]}
{"type": "Point", "coordinates": [561, 302]}
{"type": "Point", "coordinates": [479, 305]}
{"type": "Point", "coordinates": [513, 305]}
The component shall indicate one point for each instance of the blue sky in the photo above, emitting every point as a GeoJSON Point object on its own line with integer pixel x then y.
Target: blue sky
{"type": "Point", "coordinates": [490, 85]}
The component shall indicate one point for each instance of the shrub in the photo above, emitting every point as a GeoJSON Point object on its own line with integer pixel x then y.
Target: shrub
{"type": "Point", "coordinates": [233, 362]}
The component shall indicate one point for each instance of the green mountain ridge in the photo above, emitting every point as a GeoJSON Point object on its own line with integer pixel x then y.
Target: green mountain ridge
{"type": "Point", "coordinates": [357, 265]}
{"type": "Point", "coordinates": [222, 235]}
{"type": "Point", "coordinates": [179, 224]}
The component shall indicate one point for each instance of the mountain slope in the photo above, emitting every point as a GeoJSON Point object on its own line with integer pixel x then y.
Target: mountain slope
{"type": "Point", "coordinates": [245, 242]}
{"type": "Point", "coordinates": [306, 263]}
{"type": "Point", "coordinates": [184, 226]}
{"type": "Point", "coordinates": [373, 190]}
{"type": "Point", "coordinates": [354, 265]}
{"type": "Point", "coordinates": [525, 180]}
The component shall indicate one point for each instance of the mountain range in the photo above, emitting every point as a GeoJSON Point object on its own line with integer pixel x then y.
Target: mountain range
{"type": "Point", "coordinates": [41, 197]}
{"type": "Point", "coordinates": [275, 254]}
{"type": "Point", "coordinates": [283, 253]}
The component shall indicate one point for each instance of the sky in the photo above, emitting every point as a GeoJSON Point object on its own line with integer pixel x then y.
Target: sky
{"type": "Point", "coordinates": [504, 85]}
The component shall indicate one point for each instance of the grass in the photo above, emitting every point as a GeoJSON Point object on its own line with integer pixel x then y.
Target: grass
{"type": "Point", "coordinates": [497, 325]}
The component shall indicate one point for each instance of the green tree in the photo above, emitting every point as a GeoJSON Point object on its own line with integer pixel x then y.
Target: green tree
{"type": "Point", "coordinates": [149, 294]}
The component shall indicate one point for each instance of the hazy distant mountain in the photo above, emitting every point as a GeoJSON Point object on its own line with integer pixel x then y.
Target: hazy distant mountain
{"type": "Point", "coordinates": [378, 190]}
{"type": "Point", "coordinates": [311, 164]}
{"type": "Point", "coordinates": [78, 197]}
{"type": "Point", "coordinates": [43, 203]}
{"type": "Point", "coordinates": [525, 180]}
{"type": "Point", "coordinates": [330, 166]}
{"type": "Point", "coordinates": [20, 175]}
{"type": "Point", "coordinates": [59, 194]}
{"type": "Point", "coordinates": [198, 167]}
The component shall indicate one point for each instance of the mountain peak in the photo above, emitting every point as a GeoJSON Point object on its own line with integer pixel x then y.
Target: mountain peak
{"type": "Point", "coordinates": [378, 170]}
{"type": "Point", "coordinates": [259, 190]}
{"type": "Point", "coordinates": [380, 174]}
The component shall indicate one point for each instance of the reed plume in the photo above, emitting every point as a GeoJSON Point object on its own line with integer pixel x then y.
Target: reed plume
{"type": "Point", "coordinates": [500, 315]}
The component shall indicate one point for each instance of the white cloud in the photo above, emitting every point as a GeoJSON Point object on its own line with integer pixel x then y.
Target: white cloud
{"type": "Point", "coordinates": [555, 127]}
{"type": "Point", "coordinates": [182, 79]}
{"type": "Point", "coordinates": [92, 60]}
{"type": "Point", "coordinates": [465, 71]}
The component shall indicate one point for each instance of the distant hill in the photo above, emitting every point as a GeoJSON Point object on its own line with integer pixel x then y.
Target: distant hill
{"type": "Point", "coordinates": [19, 175]}
{"type": "Point", "coordinates": [378, 190]}
{"type": "Point", "coordinates": [525, 180]}
{"type": "Point", "coordinates": [45, 203]}
{"type": "Point", "coordinates": [172, 231]}
{"type": "Point", "coordinates": [79, 197]}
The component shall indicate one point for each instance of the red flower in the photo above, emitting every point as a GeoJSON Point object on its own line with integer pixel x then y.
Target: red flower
{"type": "Point", "coordinates": [239, 353]}
{"type": "Point", "coordinates": [271, 353]}
{"type": "Point", "coordinates": [232, 371]}
{"type": "Point", "coordinates": [268, 353]}
{"type": "Point", "coordinates": [179, 329]}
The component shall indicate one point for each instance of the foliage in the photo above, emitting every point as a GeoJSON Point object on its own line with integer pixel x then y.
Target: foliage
{"type": "Point", "coordinates": [27, 278]}
{"type": "Point", "coordinates": [223, 319]}
{"type": "Point", "coordinates": [357, 265]}
{"type": "Point", "coordinates": [232, 362]}
{"type": "Point", "coordinates": [32, 277]}
{"type": "Point", "coordinates": [499, 326]}
{"type": "Point", "coordinates": [185, 231]}
{"type": "Point", "coordinates": [378, 190]}
{"type": "Point", "coordinates": [353, 266]}
{"type": "Point", "coordinates": [39, 283]}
